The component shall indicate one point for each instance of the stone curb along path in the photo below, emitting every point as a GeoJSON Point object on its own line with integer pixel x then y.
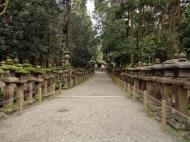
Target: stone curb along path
{"type": "Point", "coordinates": [96, 111]}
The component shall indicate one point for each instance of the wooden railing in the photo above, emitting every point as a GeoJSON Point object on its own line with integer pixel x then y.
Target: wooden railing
{"type": "Point", "coordinates": [159, 109]}
{"type": "Point", "coordinates": [163, 87]}
{"type": "Point", "coordinates": [16, 93]}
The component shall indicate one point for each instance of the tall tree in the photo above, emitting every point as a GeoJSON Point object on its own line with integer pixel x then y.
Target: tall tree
{"type": "Point", "coordinates": [40, 30]}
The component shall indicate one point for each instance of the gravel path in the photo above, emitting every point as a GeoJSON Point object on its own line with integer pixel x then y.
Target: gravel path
{"type": "Point", "coordinates": [96, 111]}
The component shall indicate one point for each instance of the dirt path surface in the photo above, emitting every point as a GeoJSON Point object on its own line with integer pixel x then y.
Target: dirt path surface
{"type": "Point", "coordinates": [96, 111]}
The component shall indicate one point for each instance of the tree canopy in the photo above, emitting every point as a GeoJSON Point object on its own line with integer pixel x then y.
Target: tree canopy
{"type": "Point", "coordinates": [141, 30]}
{"type": "Point", "coordinates": [40, 30]}
{"type": "Point", "coordinates": [128, 31]}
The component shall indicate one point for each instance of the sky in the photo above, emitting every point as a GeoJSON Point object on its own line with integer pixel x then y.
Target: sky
{"type": "Point", "coordinates": [91, 7]}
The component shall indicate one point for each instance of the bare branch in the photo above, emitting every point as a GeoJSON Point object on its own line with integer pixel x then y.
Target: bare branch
{"type": "Point", "coordinates": [5, 4]}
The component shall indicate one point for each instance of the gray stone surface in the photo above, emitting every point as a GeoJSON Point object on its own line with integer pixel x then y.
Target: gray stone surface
{"type": "Point", "coordinates": [96, 111]}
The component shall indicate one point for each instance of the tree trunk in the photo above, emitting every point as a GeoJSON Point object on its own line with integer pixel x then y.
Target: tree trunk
{"type": "Point", "coordinates": [174, 22]}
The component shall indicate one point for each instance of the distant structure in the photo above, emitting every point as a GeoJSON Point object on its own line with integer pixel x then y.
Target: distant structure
{"type": "Point", "coordinates": [100, 64]}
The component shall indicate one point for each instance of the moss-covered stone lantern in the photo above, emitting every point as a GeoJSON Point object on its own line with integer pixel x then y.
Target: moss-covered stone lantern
{"type": "Point", "coordinates": [67, 55]}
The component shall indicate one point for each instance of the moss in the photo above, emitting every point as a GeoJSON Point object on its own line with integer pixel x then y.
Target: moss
{"type": "Point", "coordinates": [10, 67]}
{"type": "Point", "coordinates": [67, 66]}
{"type": "Point", "coordinates": [48, 69]}
{"type": "Point", "coordinates": [9, 61]}
{"type": "Point", "coordinates": [1, 70]}
{"type": "Point", "coordinates": [18, 65]}
{"type": "Point", "coordinates": [30, 69]}
{"type": "Point", "coordinates": [22, 71]}
{"type": "Point", "coordinates": [51, 69]}
{"type": "Point", "coordinates": [9, 109]}
{"type": "Point", "coordinates": [27, 65]}
{"type": "Point", "coordinates": [39, 71]}
{"type": "Point", "coordinates": [15, 60]}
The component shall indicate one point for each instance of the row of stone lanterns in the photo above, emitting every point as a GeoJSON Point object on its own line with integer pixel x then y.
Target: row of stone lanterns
{"type": "Point", "coordinates": [25, 84]}
{"type": "Point", "coordinates": [175, 72]}
{"type": "Point", "coordinates": [168, 81]}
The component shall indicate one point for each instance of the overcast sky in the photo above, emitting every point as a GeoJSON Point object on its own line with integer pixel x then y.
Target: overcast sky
{"type": "Point", "coordinates": [91, 7]}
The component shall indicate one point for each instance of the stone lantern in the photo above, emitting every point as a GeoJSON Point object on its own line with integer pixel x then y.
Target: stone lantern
{"type": "Point", "coordinates": [46, 78]}
{"type": "Point", "coordinates": [20, 92]}
{"type": "Point", "coordinates": [39, 81]}
{"type": "Point", "coordinates": [62, 61]}
{"type": "Point", "coordinates": [66, 59]}
{"type": "Point", "coordinates": [183, 66]}
{"type": "Point", "coordinates": [2, 85]}
{"type": "Point", "coordinates": [9, 89]}
{"type": "Point", "coordinates": [157, 68]}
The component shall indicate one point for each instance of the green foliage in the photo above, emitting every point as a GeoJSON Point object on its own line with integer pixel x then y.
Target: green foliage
{"type": "Point", "coordinates": [67, 66]}
{"type": "Point", "coordinates": [10, 67]}
{"type": "Point", "coordinates": [25, 29]}
{"type": "Point", "coordinates": [33, 31]}
{"type": "Point", "coordinates": [139, 30]}
{"type": "Point", "coordinates": [1, 70]}
{"type": "Point", "coordinates": [82, 42]}
{"type": "Point", "coordinates": [186, 30]}
{"type": "Point", "coordinates": [30, 69]}
{"type": "Point", "coordinates": [22, 71]}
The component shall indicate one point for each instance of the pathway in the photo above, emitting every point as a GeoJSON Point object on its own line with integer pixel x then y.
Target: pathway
{"type": "Point", "coordinates": [96, 111]}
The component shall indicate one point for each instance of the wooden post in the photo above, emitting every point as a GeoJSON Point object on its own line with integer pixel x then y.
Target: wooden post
{"type": "Point", "coordinates": [53, 89]}
{"type": "Point", "coordinates": [66, 82]}
{"type": "Point", "coordinates": [76, 80]}
{"type": "Point", "coordinates": [124, 86]}
{"type": "Point", "coordinates": [79, 79]}
{"type": "Point", "coordinates": [145, 101]}
{"type": "Point", "coordinates": [182, 100]}
{"type": "Point", "coordinates": [30, 97]}
{"type": "Point", "coordinates": [9, 92]}
{"type": "Point", "coordinates": [128, 87]}
{"type": "Point", "coordinates": [45, 87]}
{"type": "Point", "coordinates": [121, 84]}
{"type": "Point", "coordinates": [19, 92]}
{"type": "Point", "coordinates": [60, 87]}
{"type": "Point", "coordinates": [164, 114]}
{"type": "Point", "coordinates": [134, 96]}
{"type": "Point", "coordinates": [70, 82]}
{"type": "Point", "coordinates": [39, 92]}
{"type": "Point", "coordinates": [70, 79]}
